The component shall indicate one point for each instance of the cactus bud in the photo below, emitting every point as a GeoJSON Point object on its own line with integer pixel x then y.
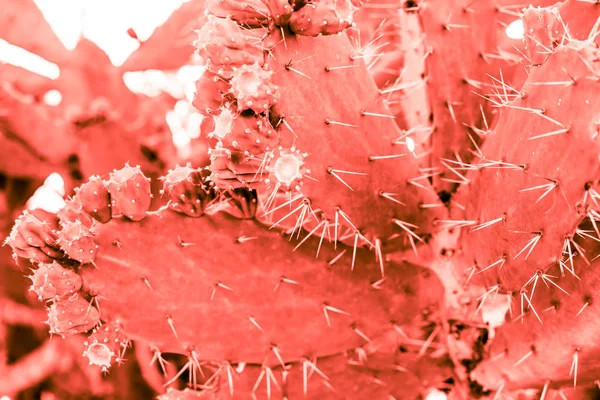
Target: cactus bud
{"type": "Point", "coordinates": [105, 345]}
{"type": "Point", "coordinates": [71, 316]}
{"type": "Point", "coordinates": [187, 190]}
{"type": "Point", "coordinates": [77, 240]}
{"type": "Point", "coordinates": [95, 199]}
{"type": "Point", "coordinates": [130, 193]}
{"type": "Point", "coordinates": [53, 281]}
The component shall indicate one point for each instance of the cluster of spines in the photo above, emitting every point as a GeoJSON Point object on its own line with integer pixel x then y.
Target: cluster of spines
{"type": "Point", "coordinates": [106, 345]}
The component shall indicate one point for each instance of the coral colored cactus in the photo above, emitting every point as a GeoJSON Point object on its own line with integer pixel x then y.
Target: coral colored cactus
{"type": "Point", "coordinates": [72, 315]}
{"type": "Point", "coordinates": [130, 193]}
{"type": "Point", "coordinates": [252, 88]}
{"type": "Point", "coordinates": [547, 199]}
{"type": "Point", "coordinates": [323, 17]}
{"type": "Point", "coordinates": [53, 281]}
{"type": "Point", "coordinates": [105, 345]}
{"type": "Point", "coordinates": [334, 248]}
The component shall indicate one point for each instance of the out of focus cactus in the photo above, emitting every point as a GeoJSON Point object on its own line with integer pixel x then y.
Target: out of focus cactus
{"type": "Point", "coordinates": [99, 124]}
{"type": "Point", "coordinates": [295, 264]}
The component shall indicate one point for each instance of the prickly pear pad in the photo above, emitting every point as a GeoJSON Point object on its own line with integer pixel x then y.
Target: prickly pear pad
{"type": "Point", "coordinates": [348, 135]}
{"type": "Point", "coordinates": [570, 312]}
{"type": "Point", "coordinates": [537, 166]}
{"type": "Point", "coordinates": [229, 289]}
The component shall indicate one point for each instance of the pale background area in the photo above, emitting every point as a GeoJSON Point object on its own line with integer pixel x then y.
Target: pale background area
{"type": "Point", "coordinates": [105, 22]}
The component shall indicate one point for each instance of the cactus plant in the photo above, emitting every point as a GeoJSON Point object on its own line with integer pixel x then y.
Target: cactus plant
{"type": "Point", "coordinates": [298, 255]}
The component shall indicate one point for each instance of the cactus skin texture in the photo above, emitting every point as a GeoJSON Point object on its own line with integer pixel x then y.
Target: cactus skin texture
{"type": "Point", "coordinates": [291, 265]}
{"type": "Point", "coordinates": [501, 225]}
{"type": "Point", "coordinates": [462, 46]}
{"type": "Point", "coordinates": [567, 337]}
{"type": "Point", "coordinates": [243, 298]}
